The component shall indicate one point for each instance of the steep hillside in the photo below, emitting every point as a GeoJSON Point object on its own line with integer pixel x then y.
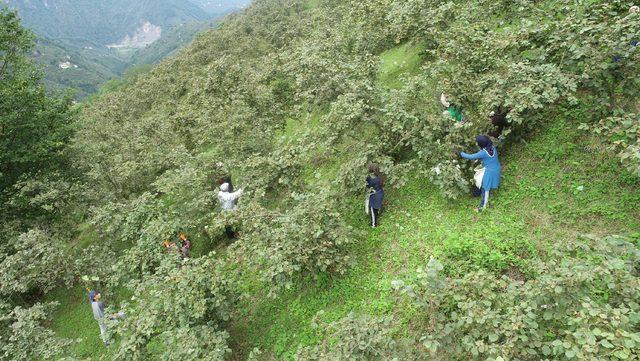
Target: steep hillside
{"type": "Point", "coordinates": [173, 40]}
{"type": "Point", "coordinates": [293, 98]}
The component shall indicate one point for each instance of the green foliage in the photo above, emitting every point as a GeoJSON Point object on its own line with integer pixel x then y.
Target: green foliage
{"type": "Point", "coordinates": [34, 261]}
{"type": "Point", "coordinates": [24, 336]}
{"type": "Point", "coordinates": [582, 304]}
{"type": "Point", "coordinates": [310, 237]}
{"type": "Point", "coordinates": [203, 342]}
{"type": "Point", "coordinates": [179, 298]}
{"type": "Point", "coordinates": [34, 128]}
{"type": "Point", "coordinates": [34, 132]}
{"type": "Point", "coordinates": [623, 136]}
{"type": "Point", "coordinates": [355, 338]}
{"type": "Point", "coordinates": [148, 150]}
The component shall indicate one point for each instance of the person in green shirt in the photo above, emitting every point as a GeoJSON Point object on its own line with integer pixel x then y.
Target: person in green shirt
{"type": "Point", "coordinates": [451, 109]}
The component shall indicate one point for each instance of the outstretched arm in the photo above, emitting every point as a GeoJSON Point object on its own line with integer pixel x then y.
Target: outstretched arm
{"type": "Point", "coordinates": [236, 195]}
{"type": "Point", "coordinates": [479, 155]}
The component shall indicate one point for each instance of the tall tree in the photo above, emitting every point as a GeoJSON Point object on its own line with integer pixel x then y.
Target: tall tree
{"type": "Point", "coordinates": [34, 127]}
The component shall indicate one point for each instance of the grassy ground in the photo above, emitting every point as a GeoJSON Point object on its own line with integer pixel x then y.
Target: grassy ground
{"type": "Point", "coordinates": [558, 185]}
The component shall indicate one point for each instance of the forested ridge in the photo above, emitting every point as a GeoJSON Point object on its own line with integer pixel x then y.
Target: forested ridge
{"type": "Point", "coordinates": [76, 38]}
{"type": "Point", "coordinates": [293, 98]}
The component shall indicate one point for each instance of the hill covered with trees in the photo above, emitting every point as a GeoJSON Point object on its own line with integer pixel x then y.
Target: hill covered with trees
{"type": "Point", "coordinates": [293, 98]}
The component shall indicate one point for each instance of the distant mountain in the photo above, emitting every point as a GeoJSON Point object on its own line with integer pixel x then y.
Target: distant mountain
{"type": "Point", "coordinates": [104, 22]}
{"type": "Point", "coordinates": [84, 43]}
{"type": "Point", "coordinates": [171, 41]}
{"type": "Point", "coordinates": [82, 69]}
{"type": "Point", "coordinates": [221, 6]}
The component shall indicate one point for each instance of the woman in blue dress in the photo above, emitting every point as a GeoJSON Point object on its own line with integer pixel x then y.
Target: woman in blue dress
{"type": "Point", "coordinates": [492, 169]}
{"type": "Point", "coordinates": [375, 184]}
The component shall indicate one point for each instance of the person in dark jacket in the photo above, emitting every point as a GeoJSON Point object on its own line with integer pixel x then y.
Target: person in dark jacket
{"type": "Point", "coordinates": [375, 185]}
{"type": "Point", "coordinates": [499, 121]}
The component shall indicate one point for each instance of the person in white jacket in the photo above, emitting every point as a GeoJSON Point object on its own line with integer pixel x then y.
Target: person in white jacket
{"type": "Point", "coordinates": [228, 201]}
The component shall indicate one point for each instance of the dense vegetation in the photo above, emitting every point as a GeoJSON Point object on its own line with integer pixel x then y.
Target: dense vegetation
{"type": "Point", "coordinates": [294, 98]}
{"type": "Point", "coordinates": [34, 181]}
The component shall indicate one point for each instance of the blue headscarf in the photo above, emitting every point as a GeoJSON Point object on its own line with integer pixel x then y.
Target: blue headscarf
{"type": "Point", "coordinates": [92, 294]}
{"type": "Point", "coordinates": [485, 143]}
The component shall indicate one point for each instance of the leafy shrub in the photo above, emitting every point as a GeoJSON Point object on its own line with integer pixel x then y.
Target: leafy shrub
{"type": "Point", "coordinates": [36, 261]}
{"type": "Point", "coordinates": [623, 136]}
{"type": "Point", "coordinates": [193, 294]}
{"type": "Point", "coordinates": [94, 266]}
{"type": "Point", "coordinates": [44, 199]}
{"type": "Point", "coordinates": [448, 176]}
{"type": "Point", "coordinates": [309, 237]}
{"type": "Point", "coordinates": [495, 254]}
{"type": "Point", "coordinates": [202, 342]}
{"type": "Point", "coordinates": [24, 336]}
{"type": "Point", "coordinates": [355, 337]}
{"type": "Point", "coordinates": [582, 304]}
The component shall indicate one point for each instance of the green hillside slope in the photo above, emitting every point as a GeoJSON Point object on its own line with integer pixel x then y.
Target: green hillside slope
{"type": "Point", "coordinates": [293, 98]}
{"type": "Point", "coordinates": [540, 205]}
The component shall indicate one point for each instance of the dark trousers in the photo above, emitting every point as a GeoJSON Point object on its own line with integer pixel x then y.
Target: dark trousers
{"type": "Point", "coordinates": [375, 214]}
{"type": "Point", "coordinates": [229, 232]}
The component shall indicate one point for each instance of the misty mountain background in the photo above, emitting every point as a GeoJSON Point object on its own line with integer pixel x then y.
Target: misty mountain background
{"type": "Point", "coordinates": [84, 43]}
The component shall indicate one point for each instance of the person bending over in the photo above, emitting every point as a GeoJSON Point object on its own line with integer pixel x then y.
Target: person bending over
{"type": "Point", "coordinates": [499, 121]}
{"type": "Point", "coordinates": [452, 110]}
{"type": "Point", "coordinates": [492, 168]}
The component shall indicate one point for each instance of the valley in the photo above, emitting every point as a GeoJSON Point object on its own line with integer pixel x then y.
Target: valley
{"type": "Point", "coordinates": [81, 46]}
